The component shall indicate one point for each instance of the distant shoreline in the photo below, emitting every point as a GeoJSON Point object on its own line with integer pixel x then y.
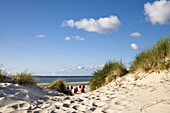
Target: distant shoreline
{"type": "Point", "coordinates": [68, 83]}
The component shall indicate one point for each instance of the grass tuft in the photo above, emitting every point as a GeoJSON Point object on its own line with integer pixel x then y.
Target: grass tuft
{"type": "Point", "coordinates": [108, 73]}
{"type": "Point", "coordinates": [3, 75]}
{"type": "Point", "coordinates": [60, 86]}
{"type": "Point", "coordinates": [25, 78]}
{"type": "Point", "coordinates": [153, 59]}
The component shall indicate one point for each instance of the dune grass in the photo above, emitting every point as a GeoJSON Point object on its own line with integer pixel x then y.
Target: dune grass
{"type": "Point", "coordinates": [60, 86]}
{"type": "Point", "coordinates": [25, 78]}
{"type": "Point", "coordinates": [3, 75]}
{"type": "Point", "coordinates": [108, 73]}
{"type": "Point", "coordinates": [153, 59]}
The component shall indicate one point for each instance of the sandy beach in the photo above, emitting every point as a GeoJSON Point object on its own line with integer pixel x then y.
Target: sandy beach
{"type": "Point", "coordinates": [84, 56]}
{"type": "Point", "coordinates": [148, 94]}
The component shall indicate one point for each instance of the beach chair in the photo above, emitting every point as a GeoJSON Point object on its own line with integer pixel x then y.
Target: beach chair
{"type": "Point", "coordinates": [79, 86]}
{"type": "Point", "coordinates": [75, 90]}
{"type": "Point", "coordinates": [82, 90]}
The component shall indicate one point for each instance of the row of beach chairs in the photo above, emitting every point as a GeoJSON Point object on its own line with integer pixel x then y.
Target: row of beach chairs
{"type": "Point", "coordinates": [75, 90]}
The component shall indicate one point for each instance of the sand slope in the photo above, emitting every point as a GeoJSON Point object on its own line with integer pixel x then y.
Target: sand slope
{"type": "Point", "coordinates": [149, 94]}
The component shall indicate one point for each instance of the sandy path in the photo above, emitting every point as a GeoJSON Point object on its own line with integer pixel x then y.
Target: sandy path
{"type": "Point", "coordinates": [146, 95]}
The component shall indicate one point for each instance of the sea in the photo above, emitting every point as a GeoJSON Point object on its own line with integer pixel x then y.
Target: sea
{"type": "Point", "coordinates": [48, 79]}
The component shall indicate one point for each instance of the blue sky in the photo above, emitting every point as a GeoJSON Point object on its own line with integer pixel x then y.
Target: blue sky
{"type": "Point", "coordinates": [76, 36]}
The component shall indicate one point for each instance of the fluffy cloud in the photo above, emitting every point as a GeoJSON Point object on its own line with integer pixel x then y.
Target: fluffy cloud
{"type": "Point", "coordinates": [67, 38]}
{"type": "Point", "coordinates": [135, 34]}
{"type": "Point", "coordinates": [75, 37]}
{"type": "Point", "coordinates": [78, 38]}
{"type": "Point", "coordinates": [134, 46]}
{"type": "Point", "coordinates": [158, 12]}
{"type": "Point", "coordinates": [40, 36]}
{"type": "Point", "coordinates": [101, 25]}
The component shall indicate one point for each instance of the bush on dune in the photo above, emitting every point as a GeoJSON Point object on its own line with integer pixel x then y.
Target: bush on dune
{"type": "Point", "coordinates": [24, 78]}
{"type": "Point", "coordinates": [108, 73]}
{"type": "Point", "coordinates": [60, 86]}
{"type": "Point", "coordinates": [153, 59]}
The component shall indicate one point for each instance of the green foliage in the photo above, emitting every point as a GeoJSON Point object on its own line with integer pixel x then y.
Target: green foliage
{"type": "Point", "coordinates": [25, 78]}
{"type": "Point", "coordinates": [60, 86]}
{"type": "Point", "coordinates": [108, 73]}
{"type": "Point", "coordinates": [153, 58]}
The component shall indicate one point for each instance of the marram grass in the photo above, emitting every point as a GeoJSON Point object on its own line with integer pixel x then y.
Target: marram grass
{"type": "Point", "coordinates": [25, 78]}
{"type": "Point", "coordinates": [60, 86]}
{"type": "Point", "coordinates": [3, 75]}
{"type": "Point", "coordinates": [108, 73]}
{"type": "Point", "coordinates": [153, 59]}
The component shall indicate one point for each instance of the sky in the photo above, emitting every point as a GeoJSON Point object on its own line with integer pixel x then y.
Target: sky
{"type": "Point", "coordinates": [77, 36]}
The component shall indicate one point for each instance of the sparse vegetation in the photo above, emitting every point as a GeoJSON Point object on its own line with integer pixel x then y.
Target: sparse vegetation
{"type": "Point", "coordinates": [153, 59]}
{"type": "Point", "coordinates": [24, 78]}
{"type": "Point", "coordinates": [43, 86]}
{"type": "Point", "coordinates": [60, 86]}
{"type": "Point", "coordinates": [108, 73]}
{"type": "Point", "coordinates": [3, 75]}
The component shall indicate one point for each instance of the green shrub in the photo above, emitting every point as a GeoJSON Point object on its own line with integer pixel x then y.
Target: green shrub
{"type": "Point", "coordinates": [25, 78]}
{"type": "Point", "coordinates": [153, 58]}
{"type": "Point", "coordinates": [108, 73]}
{"type": "Point", "coordinates": [60, 86]}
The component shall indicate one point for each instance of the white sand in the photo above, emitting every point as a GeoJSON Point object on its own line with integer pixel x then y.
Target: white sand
{"type": "Point", "coordinates": [149, 94]}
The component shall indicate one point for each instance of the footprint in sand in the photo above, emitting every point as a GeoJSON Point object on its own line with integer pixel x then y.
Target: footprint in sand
{"type": "Point", "coordinates": [80, 108]}
{"type": "Point", "coordinates": [121, 102]}
{"type": "Point", "coordinates": [66, 105]}
{"type": "Point", "coordinates": [24, 105]}
{"type": "Point", "coordinates": [94, 104]}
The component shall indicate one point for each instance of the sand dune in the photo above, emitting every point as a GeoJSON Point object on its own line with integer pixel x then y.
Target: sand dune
{"type": "Point", "coordinates": [149, 94]}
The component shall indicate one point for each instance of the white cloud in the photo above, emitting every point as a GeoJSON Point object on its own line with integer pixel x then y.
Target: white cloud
{"type": "Point", "coordinates": [40, 36]}
{"type": "Point", "coordinates": [135, 34]}
{"type": "Point", "coordinates": [101, 25]}
{"type": "Point", "coordinates": [67, 38]}
{"type": "Point", "coordinates": [68, 23]}
{"type": "Point", "coordinates": [80, 67]}
{"type": "Point", "coordinates": [75, 68]}
{"type": "Point", "coordinates": [75, 37]}
{"type": "Point", "coordinates": [158, 12]}
{"type": "Point", "coordinates": [134, 46]}
{"type": "Point", "coordinates": [78, 38]}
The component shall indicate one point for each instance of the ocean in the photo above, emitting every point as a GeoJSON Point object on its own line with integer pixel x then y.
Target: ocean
{"type": "Point", "coordinates": [48, 79]}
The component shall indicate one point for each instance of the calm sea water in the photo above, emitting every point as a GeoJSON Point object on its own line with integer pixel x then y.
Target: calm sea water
{"type": "Point", "coordinates": [48, 79]}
